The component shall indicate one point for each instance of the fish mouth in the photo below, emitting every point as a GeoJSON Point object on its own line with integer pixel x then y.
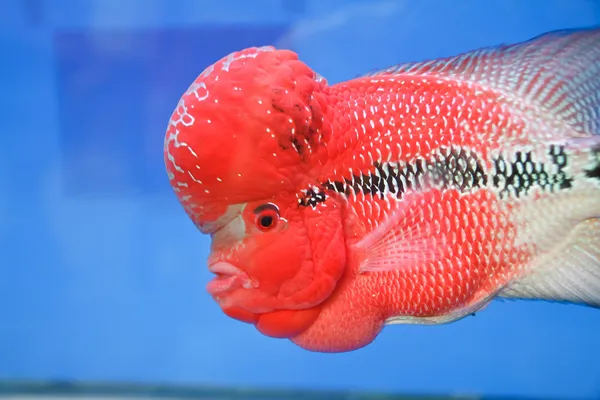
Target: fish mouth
{"type": "Point", "coordinates": [228, 278]}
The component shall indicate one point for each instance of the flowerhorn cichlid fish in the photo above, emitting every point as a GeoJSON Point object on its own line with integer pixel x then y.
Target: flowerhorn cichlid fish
{"type": "Point", "coordinates": [412, 195]}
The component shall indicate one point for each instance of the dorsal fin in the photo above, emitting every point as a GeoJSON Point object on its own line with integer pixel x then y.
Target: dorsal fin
{"type": "Point", "coordinates": [558, 71]}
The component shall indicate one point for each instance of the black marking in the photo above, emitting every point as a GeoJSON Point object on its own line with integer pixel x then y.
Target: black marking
{"type": "Point", "coordinates": [454, 168]}
{"type": "Point", "coordinates": [519, 176]}
{"type": "Point", "coordinates": [338, 187]}
{"type": "Point", "coordinates": [461, 169]}
{"type": "Point", "coordinates": [312, 197]}
{"type": "Point", "coordinates": [594, 172]}
{"type": "Point", "coordinates": [560, 160]}
{"type": "Point", "coordinates": [298, 145]}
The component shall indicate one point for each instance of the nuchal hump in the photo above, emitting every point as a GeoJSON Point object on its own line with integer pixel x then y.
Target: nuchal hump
{"type": "Point", "coordinates": [270, 138]}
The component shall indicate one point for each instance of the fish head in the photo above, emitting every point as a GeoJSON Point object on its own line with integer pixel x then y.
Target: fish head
{"type": "Point", "coordinates": [242, 150]}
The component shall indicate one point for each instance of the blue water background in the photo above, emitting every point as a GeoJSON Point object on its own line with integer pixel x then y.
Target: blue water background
{"type": "Point", "coordinates": [101, 273]}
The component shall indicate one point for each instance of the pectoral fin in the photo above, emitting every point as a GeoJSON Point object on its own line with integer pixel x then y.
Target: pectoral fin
{"type": "Point", "coordinates": [400, 241]}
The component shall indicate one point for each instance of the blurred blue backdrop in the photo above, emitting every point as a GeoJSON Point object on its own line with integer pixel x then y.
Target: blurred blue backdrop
{"type": "Point", "coordinates": [101, 273]}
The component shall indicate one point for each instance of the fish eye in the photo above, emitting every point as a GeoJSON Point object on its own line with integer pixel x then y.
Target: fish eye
{"type": "Point", "coordinates": [267, 217]}
{"type": "Point", "coordinates": [266, 221]}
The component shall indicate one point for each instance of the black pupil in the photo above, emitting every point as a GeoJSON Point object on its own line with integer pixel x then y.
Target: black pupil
{"type": "Point", "coordinates": [266, 221]}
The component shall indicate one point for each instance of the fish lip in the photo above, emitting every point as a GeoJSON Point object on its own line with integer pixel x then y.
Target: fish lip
{"type": "Point", "coordinates": [228, 278]}
{"type": "Point", "coordinates": [225, 268]}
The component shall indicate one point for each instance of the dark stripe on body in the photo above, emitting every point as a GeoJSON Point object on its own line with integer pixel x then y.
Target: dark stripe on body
{"type": "Point", "coordinates": [459, 169]}
{"type": "Point", "coordinates": [450, 168]}
{"type": "Point", "coordinates": [519, 176]}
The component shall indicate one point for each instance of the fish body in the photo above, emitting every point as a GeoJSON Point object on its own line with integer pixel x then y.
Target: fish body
{"type": "Point", "coordinates": [414, 194]}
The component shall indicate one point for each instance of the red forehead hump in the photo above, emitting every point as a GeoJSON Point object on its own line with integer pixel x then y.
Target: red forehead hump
{"type": "Point", "coordinates": [232, 137]}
